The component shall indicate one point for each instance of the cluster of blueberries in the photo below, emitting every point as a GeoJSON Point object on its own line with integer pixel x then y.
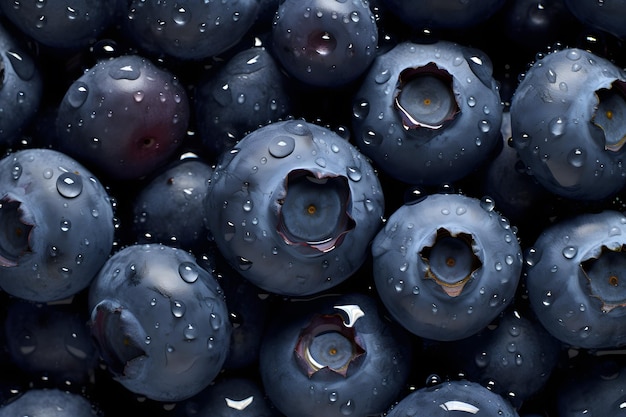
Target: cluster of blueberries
{"type": "Point", "coordinates": [304, 208]}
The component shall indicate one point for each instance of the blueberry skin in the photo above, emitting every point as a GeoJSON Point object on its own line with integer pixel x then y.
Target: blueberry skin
{"type": "Point", "coordinates": [514, 356]}
{"type": "Point", "coordinates": [593, 385]}
{"type": "Point", "coordinates": [234, 396]}
{"type": "Point", "coordinates": [249, 91]}
{"type": "Point", "coordinates": [52, 402]}
{"type": "Point", "coordinates": [428, 114]}
{"type": "Point", "coordinates": [188, 30]}
{"type": "Point", "coordinates": [61, 24]}
{"type": "Point", "coordinates": [324, 43]}
{"type": "Point", "coordinates": [21, 88]}
{"type": "Point", "coordinates": [566, 124]}
{"type": "Point", "coordinates": [443, 14]}
{"type": "Point", "coordinates": [169, 208]}
{"type": "Point", "coordinates": [573, 279]}
{"type": "Point", "coordinates": [160, 321]}
{"type": "Point", "coordinates": [446, 265]}
{"type": "Point", "coordinates": [455, 397]}
{"type": "Point", "coordinates": [606, 17]}
{"type": "Point", "coordinates": [293, 207]}
{"type": "Point", "coordinates": [57, 225]}
{"type": "Point", "coordinates": [124, 117]}
{"type": "Point", "coordinates": [353, 362]}
{"type": "Point", "coordinates": [51, 341]}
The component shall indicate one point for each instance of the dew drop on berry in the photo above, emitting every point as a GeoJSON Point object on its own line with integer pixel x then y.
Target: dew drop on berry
{"type": "Point", "coordinates": [569, 252]}
{"type": "Point", "coordinates": [126, 72]}
{"type": "Point", "coordinates": [188, 272]}
{"type": "Point", "coordinates": [178, 308]}
{"type": "Point", "coordinates": [282, 146]}
{"type": "Point", "coordinates": [24, 68]}
{"type": "Point", "coordinates": [69, 185]}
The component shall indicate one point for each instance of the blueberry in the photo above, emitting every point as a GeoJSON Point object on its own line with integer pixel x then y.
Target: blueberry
{"type": "Point", "coordinates": [53, 402]}
{"type": "Point", "coordinates": [594, 386]}
{"type": "Point", "coordinates": [443, 14]}
{"type": "Point", "coordinates": [248, 91]}
{"type": "Point", "coordinates": [454, 397]}
{"type": "Point", "coordinates": [57, 225]}
{"type": "Point", "coordinates": [188, 30]}
{"type": "Point", "coordinates": [428, 113]}
{"type": "Point", "coordinates": [446, 265]}
{"type": "Point", "coordinates": [607, 17]}
{"type": "Point", "coordinates": [514, 356]}
{"type": "Point", "coordinates": [293, 207]}
{"type": "Point", "coordinates": [124, 117]}
{"type": "Point", "coordinates": [160, 321]}
{"type": "Point", "coordinates": [51, 341]}
{"type": "Point", "coordinates": [21, 89]}
{"type": "Point", "coordinates": [566, 124]}
{"type": "Point", "coordinates": [573, 278]}
{"type": "Point", "coordinates": [325, 43]}
{"type": "Point", "coordinates": [334, 356]}
{"type": "Point", "coordinates": [234, 396]}
{"type": "Point", "coordinates": [168, 207]}
{"type": "Point", "coordinates": [61, 24]}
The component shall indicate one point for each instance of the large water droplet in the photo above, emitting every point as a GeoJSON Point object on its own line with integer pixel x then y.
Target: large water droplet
{"type": "Point", "coordinates": [77, 94]}
{"type": "Point", "coordinates": [282, 146]}
{"type": "Point", "coordinates": [188, 272]}
{"type": "Point", "coordinates": [69, 184]}
{"type": "Point", "coordinates": [178, 308]}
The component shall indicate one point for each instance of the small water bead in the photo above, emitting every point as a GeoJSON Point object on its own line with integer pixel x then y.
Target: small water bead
{"type": "Point", "coordinates": [569, 252]}
{"type": "Point", "coordinates": [66, 225]}
{"type": "Point", "coordinates": [557, 126]}
{"type": "Point", "coordinates": [16, 171]}
{"type": "Point", "coordinates": [361, 109]}
{"type": "Point", "coordinates": [372, 138]}
{"type": "Point", "coordinates": [333, 396]}
{"type": "Point", "coordinates": [77, 94]}
{"type": "Point", "coordinates": [178, 308]}
{"type": "Point", "coordinates": [347, 408]}
{"type": "Point", "coordinates": [190, 332]}
{"type": "Point", "coordinates": [126, 72]}
{"type": "Point", "coordinates": [487, 203]}
{"type": "Point", "coordinates": [181, 16]}
{"type": "Point", "coordinates": [576, 157]}
{"type": "Point", "coordinates": [216, 321]}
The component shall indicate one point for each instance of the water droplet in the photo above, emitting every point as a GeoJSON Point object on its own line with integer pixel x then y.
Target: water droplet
{"type": "Point", "coordinates": [23, 66]}
{"type": "Point", "coordinates": [243, 263]}
{"type": "Point", "coordinates": [188, 272]}
{"type": "Point", "coordinates": [181, 16]}
{"type": "Point", "coordinates": [576, 157]}
{"type": "Point", "coordinates": [557, 126]}
{"type": "Point", "coordinates": [282, 146]}
{"type": "Point", "coordinates": [347, 408]}
{"type": "Point", "coordinates": [16, 171]}
{"type": "Point", "coordinates": [216, 321]}
{"type": "Point", "coordinates": [65, 225]}
{"type": "Point", "coordinates": [382, 77]}
{"type": "Point", "coordinates": [190, 332]}
{"type": "Point", "coordinates": [248, 205]}
{"type": "Point", "coordinates": [77, 94]}
{"type": "Point", "coordinates": [482, 359]}
{"type": "Point", "coordinates": [333, 396]}
{"type": "Point", "coordinates": [569, 252]}
{"type": "Point", "coordinates": [126, 72]}
{"type": "Point", "coordinates": [69, 184]}
{"type": "Point", "coordinates": [178, 308]}
{"type": "Point", "coordinates": [361, 109]}
{"type": "Point", "coordinates": [354, 173]}
{"type": "Point", "coordinates": [138, 96]}
{"type": "Point", "coordinates": [487, 203]}
{"type": "Point", "coordinates": [372, 138]}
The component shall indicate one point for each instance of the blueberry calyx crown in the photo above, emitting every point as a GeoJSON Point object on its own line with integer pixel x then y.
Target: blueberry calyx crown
{"type": "Point", "coordinates": [425, 97]}
{"type": "Point", "coordinates": [603, 275]}
{"type": "Point", "coordinates": [314, 214]}
{"type": "Point", "coordinates": [450, 261]}
{"type": "Point", "coordinates": [15, 232]}
{"type": "Point", "coordinates": [328, 343]}
{"type": "Point", "coordinates": [611, 103]}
